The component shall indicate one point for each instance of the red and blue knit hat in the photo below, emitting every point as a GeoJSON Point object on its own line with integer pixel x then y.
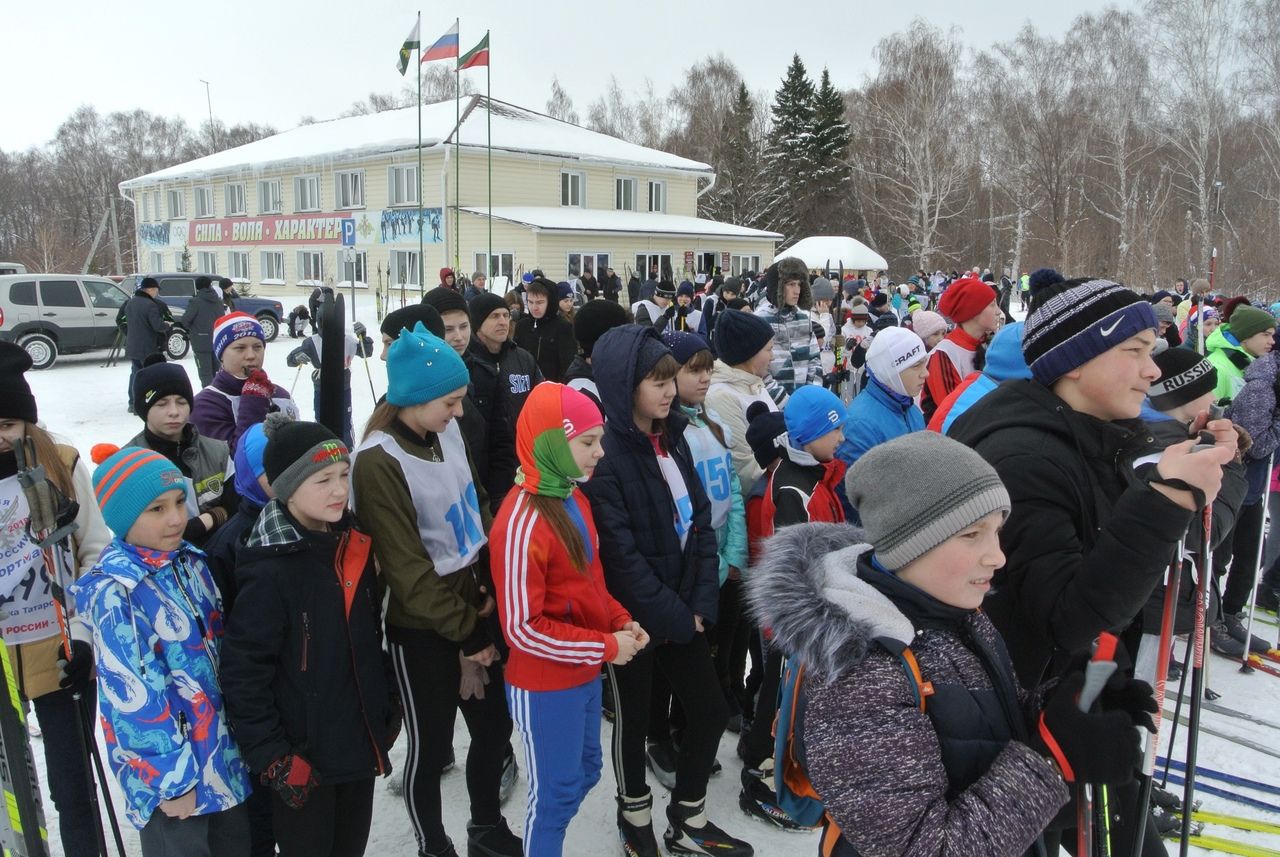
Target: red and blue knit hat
{"type": "Point", "coordinates": [128, 481]}
{"type": "Point", "coordinates": [233, 326]}
{"type": "Point", "coordinates": [552, 416]}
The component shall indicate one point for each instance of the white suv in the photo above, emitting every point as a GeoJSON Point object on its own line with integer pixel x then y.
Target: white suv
{"type": "Point", "coordinates": [49, 314]}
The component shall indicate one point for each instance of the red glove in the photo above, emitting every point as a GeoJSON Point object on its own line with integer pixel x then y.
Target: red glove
{"type": "Point", "coordinates": [292, 778]}
{"type": "Point", "coordinates": [258, 384]}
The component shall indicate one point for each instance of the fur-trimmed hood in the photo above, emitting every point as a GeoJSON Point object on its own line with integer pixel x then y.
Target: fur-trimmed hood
{"type": "Point", "coordinates": [787, 268]}
{"type": "Point", "coordinates": [806, 590]}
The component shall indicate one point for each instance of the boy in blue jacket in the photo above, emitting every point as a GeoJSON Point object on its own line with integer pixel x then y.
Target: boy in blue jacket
{"type": "Point", "coordinates": [157, 629]}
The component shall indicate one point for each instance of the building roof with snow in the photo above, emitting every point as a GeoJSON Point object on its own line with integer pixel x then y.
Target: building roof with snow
{"type": "Point", "coordinates": [514, 129]}
{"type": "Point", "coordinates": [569, 219]}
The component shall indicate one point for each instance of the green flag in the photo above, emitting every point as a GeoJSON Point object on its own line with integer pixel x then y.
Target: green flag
{"type": "Point", "coordinates": [477, 56]}
{"type": "Point", "coordinates": [411, 44]}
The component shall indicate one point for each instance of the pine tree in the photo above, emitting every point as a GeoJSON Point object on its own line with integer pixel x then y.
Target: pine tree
{"type": "Point", "coordinates": [789, 160]}
{"type": "Point", "coordinates": [832, 173]}
{"type": "Point", "coordinates": [740, 193]}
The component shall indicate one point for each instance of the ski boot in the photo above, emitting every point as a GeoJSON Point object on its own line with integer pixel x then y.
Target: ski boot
{"type": "Point", "coordinates": [1235, 623]}
{"type": "Point", "coordinates": [758, 798]}
{"type": "Point", "coordinates": [690, 832]}
{"type": "Point", "coordinates": [510, 774]}
{"type": "Point", "coordinates": [635, 826]}
{"type": "Point", "coordinates": [662, 761]}
{"type": "Point", "coordinates": [493, 840]}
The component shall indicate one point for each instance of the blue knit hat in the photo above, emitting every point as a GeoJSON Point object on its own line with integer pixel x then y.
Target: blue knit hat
{"type": "Point", "coordinates": [249, 466]}
{"type": "Point", "coordinates": [684, 345]}
{"type": "Point", "coordinates": [1074, 322]}
{"type": "Point", "coordinates": [563, 290]}
{"type": "Point", "coordinates": [811, 413]}
{"type": "Point", "coordinates": [127, 482]}
{"type": "Point", "coordinates": [685, 288]}
{"type": "Point", "coordinates": [422, 367]}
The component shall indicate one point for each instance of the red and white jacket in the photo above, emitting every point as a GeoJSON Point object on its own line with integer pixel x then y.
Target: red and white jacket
{"type": "Point", "coordinates": [558, 621]}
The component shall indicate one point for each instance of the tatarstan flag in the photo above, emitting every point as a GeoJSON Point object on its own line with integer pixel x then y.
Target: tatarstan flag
{"type": "Point", "coordinates": [477, 56]}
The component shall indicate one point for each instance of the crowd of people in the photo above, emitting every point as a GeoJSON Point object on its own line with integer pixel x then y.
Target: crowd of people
{"type": "Point", "coordinates": [567, 510]}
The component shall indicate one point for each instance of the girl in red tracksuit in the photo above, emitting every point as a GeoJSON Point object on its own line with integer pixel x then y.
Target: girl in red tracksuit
{"type": "Point", "coordinates": [559, 620]}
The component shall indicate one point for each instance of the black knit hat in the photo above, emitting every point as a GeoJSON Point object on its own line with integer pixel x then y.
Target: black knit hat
{"type": "Point", "coordinates": [1071, 323]}
{"type": "Point", "coordinates": [665, 289]}
{"type": "Point", "coordinates": [295, 450]}
{"type": "Point", "coordinates": [483, 305]}
{"type": "Point", "coordinates": [445, 300]}
{"type": "Point", "coordinates": [157, 379]}
{"type": "Point", "coordinates": [740, 335]}
{"type": "Point", "coordinates": [408, 316]}
{"type": "Point", "coordinates": [594, 319]}
{"type": "Point", "coordinates": [16, 401]}
{"type": "Point", "coordinates": [1184, 377]}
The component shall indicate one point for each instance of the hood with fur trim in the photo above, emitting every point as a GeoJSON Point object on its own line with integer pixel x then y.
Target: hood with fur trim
{"type": "Point", "coordinates": [787, 268]}
{"type": "Point", "coordinates": [807, 591]}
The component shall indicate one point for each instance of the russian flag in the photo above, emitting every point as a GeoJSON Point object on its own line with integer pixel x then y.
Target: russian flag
{"type": "Point", "coordinates": [445, 47]}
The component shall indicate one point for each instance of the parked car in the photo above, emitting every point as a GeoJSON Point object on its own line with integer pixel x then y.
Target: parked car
{"type": "Point", "coordinates": [50, 314]}
{"type": "Point", "coordinates": [12, 268]}
{"type": "Point", "coordinates": [177, 288]}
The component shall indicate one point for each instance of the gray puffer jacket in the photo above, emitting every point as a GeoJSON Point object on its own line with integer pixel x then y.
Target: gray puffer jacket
{"type": "Point", "coordinates": [874, 757]}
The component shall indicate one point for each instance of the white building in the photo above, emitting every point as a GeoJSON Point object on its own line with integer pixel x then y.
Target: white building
{"type": "Point", "coordinates": [565, 199]}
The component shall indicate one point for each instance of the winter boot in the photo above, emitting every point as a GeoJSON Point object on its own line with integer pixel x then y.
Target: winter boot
{"type": "Point", "coordinates": [662, 761]}
{"type": "Point", "coordinates": [510, 773]}
{"type": "Point", "coordinates": [1268, 598]}
{"type": "Point", "coordinates": [1221, 641]}
{"type": "Point", "coordinates": [492, 840]}
{"type": "Point", "coordinates": [447, 851]}
{"type": "Point", "coordinates": [1165, 799]}
{"type": "Point", "coordinates": [690, 832]}
{"type": "Point", "coordinates": [635, 826]}
{"type": "Point", "coordinates": [1235, 623]}
{"type": "Point", "coordinates": [758, 797]}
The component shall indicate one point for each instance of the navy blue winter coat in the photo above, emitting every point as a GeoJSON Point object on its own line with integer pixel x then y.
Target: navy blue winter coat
{"type": "Point", "coordinates": [662, 585]}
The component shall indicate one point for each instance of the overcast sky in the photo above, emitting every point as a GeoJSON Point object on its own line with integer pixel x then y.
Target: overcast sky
{"type": "Point", "coordinates": [274, 62]}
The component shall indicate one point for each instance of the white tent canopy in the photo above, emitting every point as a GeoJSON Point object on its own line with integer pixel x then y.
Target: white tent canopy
{"type": "Point", "coordinates": [829, 252]}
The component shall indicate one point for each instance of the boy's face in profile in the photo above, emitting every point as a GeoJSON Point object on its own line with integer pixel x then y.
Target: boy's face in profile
{"type": "Point", "coordinates": [824, 448]}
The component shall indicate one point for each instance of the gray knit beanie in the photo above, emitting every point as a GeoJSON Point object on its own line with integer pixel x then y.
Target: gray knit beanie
{"type": "Point", "coordinates": [296, 450]}
{"type": "Point", "coordinates": [905, 524]}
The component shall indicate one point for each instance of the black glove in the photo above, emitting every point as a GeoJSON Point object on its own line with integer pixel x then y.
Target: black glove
{"type": "Point", "coordinates": [76, 673]}
{"type": "Point", "coordinates": [292, 778]}
{"type": "Point", "coordinates": [1089, 748]}
{"type": "Point", "coordinates": [1132, 696]}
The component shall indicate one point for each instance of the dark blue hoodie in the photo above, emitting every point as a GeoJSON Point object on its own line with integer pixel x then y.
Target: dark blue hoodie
{"type": "Point", "coordinates": [662, 584]}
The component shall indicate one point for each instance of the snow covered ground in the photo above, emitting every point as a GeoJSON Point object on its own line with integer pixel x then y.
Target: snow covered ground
{"type": "Point", "coordinates": [85, 403]}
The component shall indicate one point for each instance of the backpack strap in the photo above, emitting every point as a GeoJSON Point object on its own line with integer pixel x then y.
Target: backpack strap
{"type": "Point", "coordinates": [907, 660]}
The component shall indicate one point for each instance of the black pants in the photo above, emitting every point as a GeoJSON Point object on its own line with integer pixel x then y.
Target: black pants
{"type": "Point", "coordinates": [428, 674]}
{"type": "Point", "coordinates": [758, 742]}
{"type": "Point", "coordinates": [729, 643]}
{"type": "Point", "coordinates": [205, 367]}
{"type": "Point", "coordinates": [61, 726]}
{"type": "Point", "coordinates": [334, 822]}
{"type": "Point", "coordinates": [691, 674]}
{"type": "Point", "coordinates": [134, 366]}
{"type": "Point", "coordinates": [1244, 557]}
{"type": "Point", "coordinates": [262, 837]}
{"type": "Point", "coordinates": [221, 834]}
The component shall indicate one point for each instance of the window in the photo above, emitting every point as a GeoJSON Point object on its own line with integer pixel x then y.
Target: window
{"type": "Point", "coordinates": [23, 294]}
{"type": "Point", "coordinates": [740, 264]}
{"type": "Point", "coordinates": [660, 262]}
{"type": "Point", "coordinates": [405, 268]}
{"type": "Point", "coordinates": [624, 197]}
{"type": "Point", "coordinates": [207, 262]}
{"type": "Point", "coordinates": [157, 261]}
{"type": "Point", "coordinates": [581, 262]}
{"type": "Point", "coordinates": [235, 199]}
{"type": "Point", "coordinates": [306, 193]}
{"type": "Point", "coordinates": [500, 264]}
{"type": "Point", "coordinates": [155, 204]}
{"type": "Point", "coordinates": [657, 196]}
{"type": "Point", "coordinates": [177, 205]}
{"type": "Point", "coordinates": [354, 266]}
{"type": "Point", "coordinates": [273, 268]}
{"type": "Point", "coordinates": [146, 208]}
{"type": "Point", "coordinates": [104, 294]}
{"type": "Point", "coordinates": [269, 200]}
{"type": "Point", "coordinates": [348, 189]}
{"type": "Point", "coordinates": [238, 266]}
{"type": "Point", "coordinates": [402, 186]}
{"type": "Point", "coordinates": [55, 293]}
{"type": "Point", "coordinates": [310, 267]}
{"type": "Point", "coordinates": [572, 186]}
{"type": "Point", "coordinates": [204, 202]}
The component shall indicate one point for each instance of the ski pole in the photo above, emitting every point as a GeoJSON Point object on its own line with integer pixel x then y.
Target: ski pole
{"type": "Point", "coordinates": [1096, 674]}
{"type": "Point", "coordinates": [1197, 678]}
{"type": "Point", "coordinates": [1245, 666]}
{"type": "Point", "coordinates": [1173, 583]}
{"type": "Point", "coordinates": [296, 375]}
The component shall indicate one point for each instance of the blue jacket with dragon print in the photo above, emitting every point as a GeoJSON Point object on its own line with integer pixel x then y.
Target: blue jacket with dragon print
{"type": "Point", "coordinates": [157, 635]}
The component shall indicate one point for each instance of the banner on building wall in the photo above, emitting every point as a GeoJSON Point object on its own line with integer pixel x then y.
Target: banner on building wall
{"type": "Point", "coordinates": [724, 261]}
{"type": "Point", "coordinates": [379, 226]}
{"type": "Point", "coordinates": [688, 261]}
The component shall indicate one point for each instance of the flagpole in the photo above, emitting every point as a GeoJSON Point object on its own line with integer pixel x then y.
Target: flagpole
{"type": "Point", "coordinates": [457, 153]}
{"type": "Point", "coordinates": [421, 239]}
{"type": "Point", "coordinates": [488, 114]}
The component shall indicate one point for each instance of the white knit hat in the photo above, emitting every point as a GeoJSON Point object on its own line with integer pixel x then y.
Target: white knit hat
{"type": "Point", "coordinates": [892, 350]}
